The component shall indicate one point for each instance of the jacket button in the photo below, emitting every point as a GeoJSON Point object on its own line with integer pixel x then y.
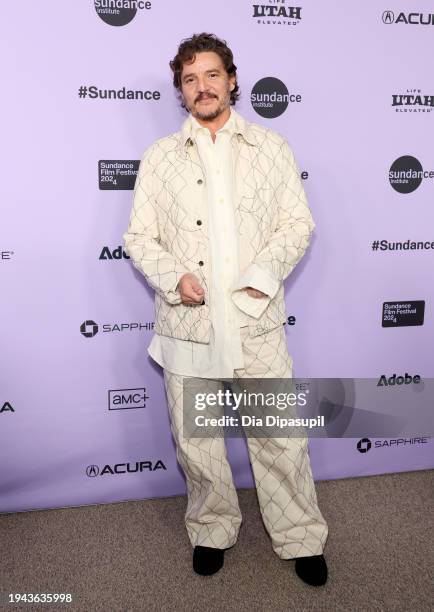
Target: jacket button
{"type": "Point", "coordinates": [199, 181]}
{"type": "Point", "coordinates": [199, 222]}
{"type": "Point", "coordinates": [201, 263]}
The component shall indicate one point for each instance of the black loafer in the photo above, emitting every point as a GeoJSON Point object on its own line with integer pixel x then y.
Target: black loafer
{"type": "Point", "coordinates": [312, 570]}
{"type": "Point", "coordinates": [207, 561]}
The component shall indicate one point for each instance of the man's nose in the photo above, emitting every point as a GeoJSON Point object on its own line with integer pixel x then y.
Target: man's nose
{"type": "Point", "coordinates": [201, 85]}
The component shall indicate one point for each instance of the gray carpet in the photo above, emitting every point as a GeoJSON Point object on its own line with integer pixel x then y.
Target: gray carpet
{"type": "Point", "coordinates": [136, 555]}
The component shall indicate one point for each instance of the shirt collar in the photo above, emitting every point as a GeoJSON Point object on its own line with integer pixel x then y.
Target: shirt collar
{"type": "Point", "coordinates": [235, 124]}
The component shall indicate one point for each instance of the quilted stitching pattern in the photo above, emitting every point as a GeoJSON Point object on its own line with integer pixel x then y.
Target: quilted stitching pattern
{"type": "Point", "coordinates": [281, 467]}
{"type": "Point", "coordinates": [164, 241]}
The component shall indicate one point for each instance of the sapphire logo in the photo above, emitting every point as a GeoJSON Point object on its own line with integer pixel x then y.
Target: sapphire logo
{"type": "Point", "coordinates": [364, 445]}
{"type": "Point", "coordinates": [89, 329]}
{"type": "Point", "coordinates": [119, 12]}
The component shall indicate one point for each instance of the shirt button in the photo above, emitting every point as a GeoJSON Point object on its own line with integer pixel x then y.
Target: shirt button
{"type": "Point", "coordinates": [199, 181]}
{"type": "Point", "coordinates": [199, 222]}
{"type": "Point", "coordinates": [201, 263]}
{"type": "Point", "coordinates": [221, 200]}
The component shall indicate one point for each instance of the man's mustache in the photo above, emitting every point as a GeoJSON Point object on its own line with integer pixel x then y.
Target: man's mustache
{"type": "Point", "coordinates": [204, 97]}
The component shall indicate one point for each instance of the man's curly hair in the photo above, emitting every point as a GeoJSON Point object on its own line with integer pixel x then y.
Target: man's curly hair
{"type": "Point", "coordinates": [196, 44]}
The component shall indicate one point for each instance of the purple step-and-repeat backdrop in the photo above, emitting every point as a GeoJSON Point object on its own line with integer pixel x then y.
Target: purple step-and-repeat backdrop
{"type": "Point", "coordinates": [83, 416]}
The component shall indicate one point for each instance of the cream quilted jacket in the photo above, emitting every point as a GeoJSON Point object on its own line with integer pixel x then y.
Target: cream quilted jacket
{"type": "Point", "coordinates": [167, 233]}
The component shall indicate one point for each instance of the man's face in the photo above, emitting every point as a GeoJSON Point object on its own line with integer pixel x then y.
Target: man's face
{"type": "Point", "coordinates": [206, 86]}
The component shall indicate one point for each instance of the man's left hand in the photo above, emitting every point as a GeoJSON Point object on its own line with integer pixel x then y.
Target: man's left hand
{"type": "Point", "coordinates": [255, 293]}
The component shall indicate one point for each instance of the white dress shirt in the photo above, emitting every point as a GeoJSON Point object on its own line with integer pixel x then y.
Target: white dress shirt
{"type": "Point", "coordinates": [223, 354]}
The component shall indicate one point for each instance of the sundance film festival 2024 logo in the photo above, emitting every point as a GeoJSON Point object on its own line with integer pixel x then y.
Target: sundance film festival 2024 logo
{"type": "Point", "coordinates": [403, 314]}
{"type": "Point", "coordinates": [406, 174]}
{"type": "Point", "coordinates": [119, 12]}
{"type": "Point", "coordinates": [117, 173]}
{"type": "Point", "coordinates": [270, 97]}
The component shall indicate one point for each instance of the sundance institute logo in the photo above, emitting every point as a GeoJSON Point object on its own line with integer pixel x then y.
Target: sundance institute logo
{"type": "Point", "coordinates": [119, 12]}
{"type": "Point", "coordinates": [270, 97]}
{"type": "Point", "coordinates": [406, 174]}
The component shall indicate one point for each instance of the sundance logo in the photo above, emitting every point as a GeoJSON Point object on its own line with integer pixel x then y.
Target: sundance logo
{"type": "Point", "coordinates": [406, 174]}
{"type": "Point", "coordinates": [389, 17]}
{"type": "Point", "coordinates": [125, 468]}
{"type": "Point", "coordinates": [270, 97]}
{"type": "Point", "coordinates": [117, 253]}
{"type": "Point", "coordinates": [403, 314]}
{"type": "Point", "coordinates": [117, 174]}
{"type": "Point", "coordinates": [119, 12]}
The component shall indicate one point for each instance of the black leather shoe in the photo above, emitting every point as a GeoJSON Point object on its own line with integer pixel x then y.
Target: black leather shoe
{"type": "Point", "coordinates": [312, 570]}
{"type": "Point", "coordinates": [207, 561]}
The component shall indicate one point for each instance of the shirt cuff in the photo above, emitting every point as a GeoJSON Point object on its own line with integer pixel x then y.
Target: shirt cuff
{"type": "Point", "coordinates": [258, 278]}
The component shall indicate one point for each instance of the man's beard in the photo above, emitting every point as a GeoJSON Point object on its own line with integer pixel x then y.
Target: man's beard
{"type": "Point", "coordinates": [210, 115]}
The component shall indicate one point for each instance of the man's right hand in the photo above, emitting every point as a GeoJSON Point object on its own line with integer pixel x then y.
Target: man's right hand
{"type": "Point", "coordinates": [190, 289]}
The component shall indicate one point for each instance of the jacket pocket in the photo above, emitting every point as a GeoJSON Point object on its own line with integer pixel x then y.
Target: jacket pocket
{"type": "Point", "coordinates": [274, 315]}
{"type": "Point", "coordinates": [182, 322]}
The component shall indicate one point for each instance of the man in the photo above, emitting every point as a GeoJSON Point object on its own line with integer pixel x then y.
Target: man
{"type": "Point", "coordinates": [219, 220]}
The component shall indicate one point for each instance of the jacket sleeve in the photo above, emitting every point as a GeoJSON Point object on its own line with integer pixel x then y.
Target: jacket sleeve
{"type": "Point", "coordinates": [287, 244]}
{"type": "Point", "coordinates": [142, 238]}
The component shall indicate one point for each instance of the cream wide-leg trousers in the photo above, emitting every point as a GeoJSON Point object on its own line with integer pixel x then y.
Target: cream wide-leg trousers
{"type": "Point", "coordinates": [281, 467]}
